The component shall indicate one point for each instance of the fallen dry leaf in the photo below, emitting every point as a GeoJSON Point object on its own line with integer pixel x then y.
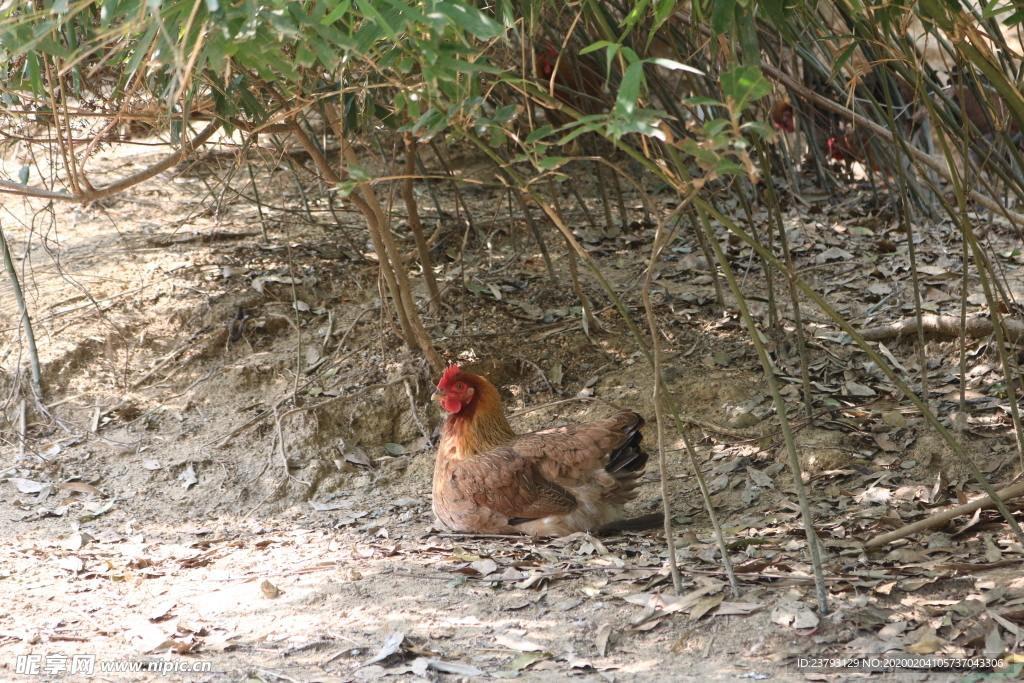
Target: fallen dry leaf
{"type": "Point", "coordinates": [740, 608]}
{"type": "Point", "coordinates": [525, 660]}
{"type": "Point", "coordinates": [519, 644]}
{"type": "Point", "coordinates": [27, 485]}
{"type": "Point", "coordinates": [705, 606]}
{"type": "Point", "coordinates": [795, 615]}
{"type": "Point", "coordinates": [79, 486]}
{"type": "Point", "coordinates": [926, 645]}
{"type": "Point", "coordinates": [604, 631]}
{"type": "Point", "coordinates": [161, 610]}
{"type": "Point", "coordinates": [392, 644]}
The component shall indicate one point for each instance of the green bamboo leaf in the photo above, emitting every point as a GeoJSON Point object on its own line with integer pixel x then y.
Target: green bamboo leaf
{"type": "Point", "coordinates": [635, 15]}
{"type": "Point", "coordinates": [761, 128]}
{"type": "Point", "coordinates": [701, 101]}
{"type": "Point", "coordinates": [339, 41]}
{"type": "Point", "coordinates": [346, 188]}
{"type": "Point", "coordinates": [367, 36]}
{"type": "Point", "coordinates": [715, 126]}
{"type": "Point", "coordinates": [593, 47]}
{"type": "Point", "coordinates": [279, 22]}
{"type": "Point", "coordinates": [304, 56]}
{"type": "Point", "coordinates": [992, 9]}
{"type": "Point", "coordinates": [409, 15]}
{"type": "Point", "coordinates": [663, 10]}
{"type": "Point", "coordinates": [551, 163]}
{"type": "Point", "coordinates": [843, 57]}
{"type": "Point", "coordinates": [299, 15]}
{"type": "Point", "coordinates": [371, 13]}
{"type": "Point", "coordinates": [142, 49]}
{"type": "Point", "coordinates": [497, 138]}
{"type": "Point", "coordinates": [52, 47]}
{"type": "Point", "coordinates": [577, 131]}
{"type": "Point", "coordinates": [456, 66]}
{"type": "Point", "coordinates": [505, 113]}
{"type": "Point", "coordinates": [777, 13]}
{"type": "Point", "coordinates": [629, 90]}
{"type": "Point", "coordinates": [328, 57]}
{"type": "Point", "coordinates": [539, 134]}
{"type": "Point", "coordinates": [935, 11]}
{"type": "Point", "coordinates": [358, 173]}
{"type": "Point", "coordinates": [748, 35]}
{"type": "Point", "coordinates": [280, 63]}
{"type": "Point", "coordinates": [337, 13]}
{"type": "Point", "coordinates": [470, 18]}
{"type": "Point", "coordinates": [744, 85]}
{"type": "Point", "coordinates": [721, 15]}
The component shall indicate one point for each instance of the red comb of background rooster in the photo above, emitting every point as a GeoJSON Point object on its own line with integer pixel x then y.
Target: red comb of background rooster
{"type": "Point", "coordinates": [449, 374]}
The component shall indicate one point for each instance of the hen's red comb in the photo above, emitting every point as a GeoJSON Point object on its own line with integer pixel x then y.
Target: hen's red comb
{"type": "Point", "coordinates": [448, 376]}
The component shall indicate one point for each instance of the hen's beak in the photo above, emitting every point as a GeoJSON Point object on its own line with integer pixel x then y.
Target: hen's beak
{"type": "Point", "coordinates": [437, 395]}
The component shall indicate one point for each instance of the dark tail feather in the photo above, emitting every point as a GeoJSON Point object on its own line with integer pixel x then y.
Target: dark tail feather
{"type": "Point", "coordinates": [650, 521]}
{"type": "Point", "coordinates": [629, 457]}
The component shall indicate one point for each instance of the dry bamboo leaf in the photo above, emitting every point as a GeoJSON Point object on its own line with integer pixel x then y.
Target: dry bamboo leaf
{"type": "Point", "coordinates": [736, 608]}
{"type": "Point", "coordinates": [79, 486]}
{"type": "Point", "coordinates": [392, 644]}
{"type": "Point", "coordinates": [795, 615]}
{"type": "Point", "coordinates": [513, 643]}
{"type": "Point", "coordinates": [884, 443]}
{"type": "Point", "coordinates": [926, 645]}
{"type": "Point", "coordinates": [993, 642]}
{"type": "Point", "coordinates": [457, 668]}
{"type": "Point", "coordinates": [161, 610]}
{"type": "Point", "coordinates": [760, 478]}
{"type": "Point", "coordinates": [555, 373]}
{"type": "Point", "coordinates": [147, 638]}
{"type": "Point", "coordinates": [992, 552]}
{"type": "Point", "coordinates": [604, 631]}
{"type": "Point", "coordinates": [525, 660]}
{"type": "Point", "coordinates": [856, 389]}
{"type": "Point", "coordinates": [894, 418]}
{"type": "Point", "coordinates": [485, 567]}
{"type": "Point", "coordinates": [27, 485]}
{"type": "Point", "coordinates": [705, 606]}
{"type": "Point", "coordinates": [72, 563]}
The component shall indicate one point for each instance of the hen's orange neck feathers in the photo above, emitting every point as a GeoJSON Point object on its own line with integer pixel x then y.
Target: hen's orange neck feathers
{"type": "Point", "coordinates": [479, 425]}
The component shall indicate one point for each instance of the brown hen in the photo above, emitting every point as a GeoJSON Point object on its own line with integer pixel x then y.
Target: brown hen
{"type": "Point", "coordinates": [488, 479]}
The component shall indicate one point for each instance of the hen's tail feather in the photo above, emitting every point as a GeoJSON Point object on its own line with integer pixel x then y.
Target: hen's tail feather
{"type": "Point", "coordinates": [650, 521]}
{"type": "Point", "coordinates": [629, 457]}
{"type": "Point", "coordinates": [632, 461]}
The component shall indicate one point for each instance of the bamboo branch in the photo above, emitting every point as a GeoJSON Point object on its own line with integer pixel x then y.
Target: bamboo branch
{"type": "Point", "coordinates": [92, 195]}
{"type": "Point", "coordinates": [940, 518]}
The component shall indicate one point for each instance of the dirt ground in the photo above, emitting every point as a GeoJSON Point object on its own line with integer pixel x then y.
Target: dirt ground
{"type": "Point", "coordinates": [212, 478]}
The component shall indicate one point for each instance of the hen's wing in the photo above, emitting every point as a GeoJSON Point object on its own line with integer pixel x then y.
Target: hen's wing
{"type": "Point", "coordinates": [528, 478]}
{"type": "Point", "coordinates": [506, 483]}
{"type": "Point", "coordinates": [576, 451]}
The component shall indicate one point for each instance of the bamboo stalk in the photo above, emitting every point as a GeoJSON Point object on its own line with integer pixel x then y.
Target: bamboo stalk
{"type": "Point", "coordinates": [26, 319]}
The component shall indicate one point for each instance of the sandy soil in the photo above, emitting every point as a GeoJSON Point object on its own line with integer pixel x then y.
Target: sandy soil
{"type": "Point", "coordinates": [212, 482]}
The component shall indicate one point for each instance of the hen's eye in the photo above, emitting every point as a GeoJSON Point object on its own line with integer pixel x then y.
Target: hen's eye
{"type": "Point", "coordinates": [460, 386]}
